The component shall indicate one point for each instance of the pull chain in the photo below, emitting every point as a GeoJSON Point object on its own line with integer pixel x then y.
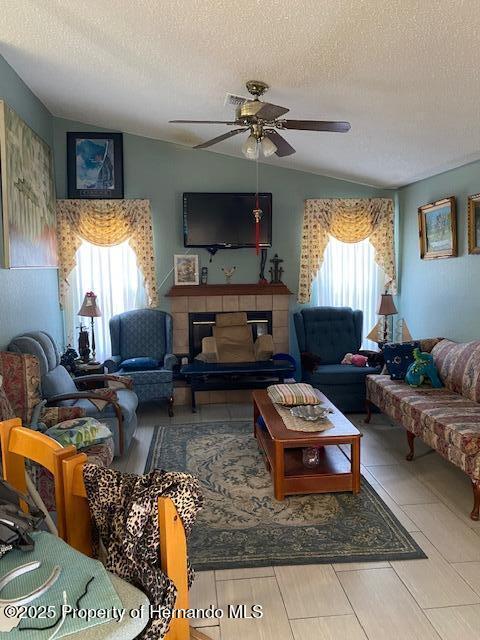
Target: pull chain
{"type": "Point", "coordinates": [257, 212]}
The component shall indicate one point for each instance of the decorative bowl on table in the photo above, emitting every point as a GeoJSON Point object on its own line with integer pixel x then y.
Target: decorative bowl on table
{"type": "Point", "coordinates": [310, 412]}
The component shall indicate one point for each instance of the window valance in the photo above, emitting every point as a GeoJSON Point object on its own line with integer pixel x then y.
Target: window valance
{"type": "Point", "coordinates": [348, 220]}
{"type": "Point", "coordinates": [106, 223]}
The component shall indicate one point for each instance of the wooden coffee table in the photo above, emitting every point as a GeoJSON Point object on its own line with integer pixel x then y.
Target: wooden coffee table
{"type": "Point", "coordinates": [282, 449]}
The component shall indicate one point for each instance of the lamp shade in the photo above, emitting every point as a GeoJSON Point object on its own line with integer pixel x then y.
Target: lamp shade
{"type": "Point", "coordinates": [387, 306]}
{"type": "Point", "coordinates": [89, 308]}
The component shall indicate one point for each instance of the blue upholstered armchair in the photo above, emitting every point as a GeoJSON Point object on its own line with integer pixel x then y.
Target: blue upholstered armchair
{"type": "Point", "coordinates": [142, 342]}
{"type": "Point", "coordinates": [329, 333]}
{"type": "Point", "coordinates": [60, 389]}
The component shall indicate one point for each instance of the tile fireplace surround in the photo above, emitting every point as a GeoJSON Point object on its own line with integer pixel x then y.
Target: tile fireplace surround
{"type": "Point", "coordinates": [218, 298]}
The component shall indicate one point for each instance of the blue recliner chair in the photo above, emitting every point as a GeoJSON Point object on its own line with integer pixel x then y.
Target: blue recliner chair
{"type": "Point", "coordinates": [59, 388]}
{"type": "Point", "coordinates": [329, 333]}
{"type": "Point", "coordinates": [142, 342]}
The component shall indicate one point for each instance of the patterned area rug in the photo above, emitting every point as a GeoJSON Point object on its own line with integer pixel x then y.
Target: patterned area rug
{"type": "Point", "coordinates": [242, 525]}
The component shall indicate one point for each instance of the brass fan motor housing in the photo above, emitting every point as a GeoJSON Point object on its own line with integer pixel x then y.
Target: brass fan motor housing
{"type": "Point", "coordinates": [248, 111]}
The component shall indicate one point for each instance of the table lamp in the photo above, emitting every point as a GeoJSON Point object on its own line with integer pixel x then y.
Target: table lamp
{"type": "Point", "coordinates": [386, 308]}
{"type": "Point", "coordinates": [90, 309]}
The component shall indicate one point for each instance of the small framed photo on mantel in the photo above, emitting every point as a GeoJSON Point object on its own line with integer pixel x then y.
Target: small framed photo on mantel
{"type": "Point", "coordinates": [186, 269]}
{"type": "Point", "coordinates": [95, 165]}
{"type": "Point", "coordinates": [437, 226]}
{"type": "Point", "coordinates": [474, 223]}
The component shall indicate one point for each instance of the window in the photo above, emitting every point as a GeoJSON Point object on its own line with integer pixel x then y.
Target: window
{"type": "Point", "coordinates": [113, 275]}
{"type": "Point", "coordinates": [350, 277]}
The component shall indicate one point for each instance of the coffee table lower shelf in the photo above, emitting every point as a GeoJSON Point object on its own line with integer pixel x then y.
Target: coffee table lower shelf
{"type": "Point", "coordinates": [291, 477]}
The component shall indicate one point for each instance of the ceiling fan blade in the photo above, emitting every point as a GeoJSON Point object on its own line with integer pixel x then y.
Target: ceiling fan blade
{"type": "Point", "coordinates": [283, 147]}
{"type": "Point", "coordinates": [203, 122]}
{"type": "Point", "coordinates": [316, 125]}
{"type": "Point", "coordinates": [270, 111]}
{"type": "Point", "coordinates": [213, 141]}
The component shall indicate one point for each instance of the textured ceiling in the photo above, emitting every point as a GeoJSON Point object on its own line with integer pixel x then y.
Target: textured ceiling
{"type": "Point", "coordinates": [405, 73]}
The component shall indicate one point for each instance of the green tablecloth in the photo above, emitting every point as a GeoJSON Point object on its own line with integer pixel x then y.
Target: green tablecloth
{"type": "Point", "coordinates": [77, 569]}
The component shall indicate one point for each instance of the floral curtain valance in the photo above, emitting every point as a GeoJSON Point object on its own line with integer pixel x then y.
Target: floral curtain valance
{"type": "Point", "coordinates": [106, 223]}
{"type": "Point", "coordinates": [348, 220]}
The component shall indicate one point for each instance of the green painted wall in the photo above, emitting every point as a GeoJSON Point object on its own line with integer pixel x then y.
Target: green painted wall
{"type": "Point", "coordinates": [162, 171]}
{"type": "Point", "coordinates": [28, 297]}
{"type": "Point", "coordinates": [440, 297]}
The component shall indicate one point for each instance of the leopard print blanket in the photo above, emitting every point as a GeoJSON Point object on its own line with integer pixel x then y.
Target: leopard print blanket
{"type": "Point", "coordinates": [124, 510]}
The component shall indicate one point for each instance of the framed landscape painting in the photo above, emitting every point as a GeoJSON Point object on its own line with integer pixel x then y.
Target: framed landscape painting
{"type": "Point", "coordinates": [437, 224]}
{"type": "Point", "coordinates": [474, 223]}
{"type": "Point", "coordinates": [186, 269]}
{"type": "Point", "coordinates": [95, 165]}
{"type": "Point", "coordinates": [27, 195]}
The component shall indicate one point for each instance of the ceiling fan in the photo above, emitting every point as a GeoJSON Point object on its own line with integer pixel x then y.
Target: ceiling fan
{"type": "Point", "coordinates": [262, 119]}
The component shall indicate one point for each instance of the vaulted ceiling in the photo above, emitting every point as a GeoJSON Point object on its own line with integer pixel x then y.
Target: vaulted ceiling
{"type": "Point", "coordinates": [405, 73]}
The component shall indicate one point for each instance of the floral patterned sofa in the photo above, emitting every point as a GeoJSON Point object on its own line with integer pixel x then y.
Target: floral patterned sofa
{"type": "Point", "coordinates": [447, 419]}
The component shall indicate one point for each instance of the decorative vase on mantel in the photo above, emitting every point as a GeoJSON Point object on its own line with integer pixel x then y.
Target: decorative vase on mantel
{"type": "Point", "coordinates": [228, 273]}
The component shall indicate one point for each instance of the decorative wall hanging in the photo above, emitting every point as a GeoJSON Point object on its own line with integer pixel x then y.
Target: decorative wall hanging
{"type": "Point", "coordinates": [95, 165]}
{"type": "Point", "coordinates": [348, 220]}
{"type": "Point", "coordinates": [437, 225]}
{"type": "Point", "coordinates": [106, 223]}
{"type": "Point", "coordinates": [27, 194]}
{"type": "Point", "coordinates": [186, 269]}
{"type": "Point", "coordinates": [474, 223]}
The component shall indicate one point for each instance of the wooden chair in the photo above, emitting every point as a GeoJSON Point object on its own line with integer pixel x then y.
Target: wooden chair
{"type": "Point", "coordinates": [18, 444]}
{"type": "Point", "coordinates": [173, 545]}
{"type": "Point", "coordinates": [73, 514]}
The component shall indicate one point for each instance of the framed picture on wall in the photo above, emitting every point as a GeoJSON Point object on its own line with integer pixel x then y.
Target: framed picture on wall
{"type": "Point", "coordinates": [474, 223]}
{"type": "Point", "coordinates": [186, 269]}
{"type": "Point", "coordinates": [27, 195]}
{"type": "Point", "coordinates": [437, 224]}
{"type": "Point", "coordinates": [94, 165]}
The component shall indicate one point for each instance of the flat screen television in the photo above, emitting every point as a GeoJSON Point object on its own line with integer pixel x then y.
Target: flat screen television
{"type": "Point", "coordinates": [225, 220]}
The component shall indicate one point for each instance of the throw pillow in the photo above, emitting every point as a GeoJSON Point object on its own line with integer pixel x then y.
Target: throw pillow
{"type": "Point", "coordinates": [6, 411]}
{"type": "Point", "coordinates": [139, 364]}
{"type": "Point", "coordinates": [81, 432]}
{"type": "Point", "coordinates": [427, 344]}
{"type": "Point", "coordinates": [291, 395]}
{"type": "Point", "coordinates": [398, 357]}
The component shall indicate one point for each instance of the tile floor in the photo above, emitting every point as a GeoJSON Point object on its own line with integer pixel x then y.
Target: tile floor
{"type": "Point", "coordinates": [415, 599]}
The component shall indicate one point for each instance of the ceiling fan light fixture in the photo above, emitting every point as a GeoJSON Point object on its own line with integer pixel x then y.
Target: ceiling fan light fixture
{"type": "Point", "coordinates": [268, 147]}
{"type": "Point", "coordinates": [250, 147]}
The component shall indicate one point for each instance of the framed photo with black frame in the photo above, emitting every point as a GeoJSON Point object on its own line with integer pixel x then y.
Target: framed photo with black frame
{"type": "Point", "coordinates": [94, 165]}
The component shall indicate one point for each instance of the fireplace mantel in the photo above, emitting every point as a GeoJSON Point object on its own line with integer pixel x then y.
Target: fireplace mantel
{"type": "Point", "coordinates": [229, 290]}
